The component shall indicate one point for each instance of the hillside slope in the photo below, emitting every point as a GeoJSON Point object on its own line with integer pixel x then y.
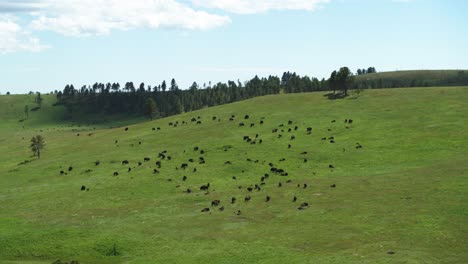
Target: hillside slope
{"type": "Point", "coordinates": [403, 191]}
{"type": "Point", "coordinates": [415, 78]}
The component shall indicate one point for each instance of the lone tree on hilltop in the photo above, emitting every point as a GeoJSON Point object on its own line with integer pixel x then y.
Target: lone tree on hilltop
{"type": "Point", "coordinates": [345, 79]}
{"type": "Point", "coordinates": [37, 145]}
{"type": "Point", "coordinates": [150, 108]}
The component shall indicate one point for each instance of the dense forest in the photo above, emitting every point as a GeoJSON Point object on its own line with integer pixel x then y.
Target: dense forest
{"type": "Point", "coordinates": [168, 99]}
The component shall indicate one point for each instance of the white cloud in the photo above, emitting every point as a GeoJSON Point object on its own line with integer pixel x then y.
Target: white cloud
{"type": "Point", "coordinates": [14, 38]}
{"type": "Point", "coordinates": [259, 6]}
{"type": "Point", "coordinates": [98, 17]}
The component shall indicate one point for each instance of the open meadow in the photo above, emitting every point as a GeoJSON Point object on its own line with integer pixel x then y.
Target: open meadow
{"type": "Point", "coordinates": [389, 185]}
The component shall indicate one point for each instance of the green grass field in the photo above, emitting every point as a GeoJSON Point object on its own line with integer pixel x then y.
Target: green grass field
{"type": "Point", "coordinates": [404, 191]}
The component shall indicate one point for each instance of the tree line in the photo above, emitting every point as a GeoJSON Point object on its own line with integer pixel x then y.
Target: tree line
{"type": "Point", "coordinates": [167, 99]}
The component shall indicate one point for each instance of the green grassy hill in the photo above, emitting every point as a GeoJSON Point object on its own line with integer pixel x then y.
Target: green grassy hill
{"type": "Point", "coordinates": [404, 191]}
{"type": "Point", "coordinates": [415, 78]}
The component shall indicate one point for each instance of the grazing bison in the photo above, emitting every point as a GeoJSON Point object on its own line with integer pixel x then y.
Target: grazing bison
{"type": "Point", "coordinates": [139, 163]}
{"type": "Point", "coordinates": [333, 186]}
{"type": "Point", "coordinates": [184, 166]}
{"type": "Point", "coordinates": [62, 172]}
{"type": "Point", "coordinates": [116, 174]}
{"type": "Point", "coordinates": [233, 200]}
{"type": "Point", "coordinates": [195, 149]}
{"type": "Point", "coordinates": [268, 198]}
{"type": "Point", "coordinates": [247, 198]}
{"type": "Point", "coordinates": [124, 162]}
{"type": "Point", "coordinates": [205, 210]}
{"type": "Point", "coordinates": [261, 122]}
{"type": "Point", "coordinates": [293, 137]}
{"type": "Point", "coordinates": [290, 122]}
{"type": "Point", "coordinates": [129, 169]}
{"type": "Point", "coordinates": [274, 130]}
{"type": "Point", "coordinates": [158, 164]}
{"type": "Point", "coordinates": [289, 146]}
{"type": "Point", "coordinates": [246, 117]}
{"type": "Point", "coordinates": [205, 187]}
{"type": "Point", "coordinates": [155, 171]}
{"type": "Point", "coordinates": [188, 191]}
{"type": "Point", "coordinates": [221, 208]}
{"type": "Point", "coordinates": [184, 178]}
{"type": "Point", "coordinates": [215, 202]}
{"type": "Point", "coordinates": [126, 129]}
{"type": "Point", "coordinates": [238, 212]}
{"type": "Point", "coordinates": [331, 166]}
{"type": "Point", "coordinates": [294, 199]}
{"type": "Point", "coordinates": [280, 184]}
{"type": "Point", "coordinates": [305, 185]}
{"type": "Point", "coordinates": [241, 124]}
{"type": "Point", "coordinates": [97, 163]}
{"type": "Point", "coordinates": [146, 159]}
{"type": "Point", "coordinates": [70, 168]}
{"type": "Point", "coordinates": [83, 187]}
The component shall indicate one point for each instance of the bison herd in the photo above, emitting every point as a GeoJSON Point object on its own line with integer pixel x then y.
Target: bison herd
{"type": "Point", "coordinates": [253, 139]}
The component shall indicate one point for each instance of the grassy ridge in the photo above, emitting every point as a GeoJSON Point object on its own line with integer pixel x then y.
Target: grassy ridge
{"type": "Point", "coordinates": [405, 190]}
{"type": "Point", "coordinates": [416, 77]}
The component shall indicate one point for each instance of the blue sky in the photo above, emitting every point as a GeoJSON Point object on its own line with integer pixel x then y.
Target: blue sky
{"type": "Point", "coordinates": [45, 44]}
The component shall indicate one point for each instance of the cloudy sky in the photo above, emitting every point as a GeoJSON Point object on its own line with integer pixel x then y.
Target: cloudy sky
{"type": "Point", "coordinates": [45, 44]}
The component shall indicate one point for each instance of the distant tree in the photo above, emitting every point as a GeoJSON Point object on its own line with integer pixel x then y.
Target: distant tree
{"type": "Point", "coordinates": [26, 111]}
{"type": "Point", "coordinates": [150, 108]}
{"type": "Point", "coordinates": [193, 87]}
{"type": "Point", "coordinates": [39, 99]}
{"type": "Point", "coordinates": [359, 72]}
{"type": "Point", "coordinates": [163, 86]}
{"type": "Point", "coordinates": [7, 93]}
{"type": "Point", "coordinates": [332, 82]}
{"type": "Point", "coordinates": [37, 145]}
{"type": "Point", "coordinates": [141, 89]}
{"type": "Point", "coordinates": [345, 79]}
{"type": "Point", "coordinates": [371, 70]}
{"type": "Point", "coordinates": [178, 107]}
{"type": "Point", "coordinates": [174, 86]}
